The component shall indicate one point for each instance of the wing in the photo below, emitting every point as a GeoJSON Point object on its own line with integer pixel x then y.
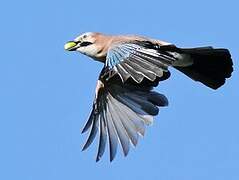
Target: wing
{"type": "Point", "coordinates": [120, 113]}
{"type": "Point", "coordinates": [138, 60]}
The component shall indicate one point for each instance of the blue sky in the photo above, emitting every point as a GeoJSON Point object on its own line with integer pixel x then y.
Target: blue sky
{"type": "Point", "coordinates": [46, 93]}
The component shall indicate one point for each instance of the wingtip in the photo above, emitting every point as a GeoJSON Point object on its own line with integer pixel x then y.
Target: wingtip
{"type": "Point", "coordinates": [112, 157]}
{"type": "Point", "coordinates": [83, 131]}
{"type": "Point", "coordinates": [86, 145]}
{"type": "Point", "coordinates": [126, 153]}
{"type": "Point", "coordinates": [97, 159]}
{"type": "Point", "coordinates": [83, 149]}
{"type": "Point", "coordinates": [166, 102]}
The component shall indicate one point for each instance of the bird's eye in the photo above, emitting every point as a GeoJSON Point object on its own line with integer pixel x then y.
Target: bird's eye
{"type": "Point", "coordinates": [84, 36]}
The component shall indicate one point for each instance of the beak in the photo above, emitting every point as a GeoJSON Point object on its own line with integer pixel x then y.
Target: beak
{"type": "Point", "coordinates": [71, 46]}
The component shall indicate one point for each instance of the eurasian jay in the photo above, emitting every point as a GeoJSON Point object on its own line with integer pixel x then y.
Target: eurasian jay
{"type": "Point", "coordinates": [124, 98]}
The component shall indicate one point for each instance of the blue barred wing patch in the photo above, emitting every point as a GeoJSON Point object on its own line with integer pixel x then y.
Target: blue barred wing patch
{"type": "Point", "coordinates": [119, 53]}
{"type": "Point", "coordinates": [137, 60]}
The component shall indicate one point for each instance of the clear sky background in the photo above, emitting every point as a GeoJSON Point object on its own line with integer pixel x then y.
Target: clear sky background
{"type": "Point", "coordinates": [46, 93]}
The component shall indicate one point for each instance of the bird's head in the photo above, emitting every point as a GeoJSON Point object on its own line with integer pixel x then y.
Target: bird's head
{"type": "Point", "coordinates": [85, 44]}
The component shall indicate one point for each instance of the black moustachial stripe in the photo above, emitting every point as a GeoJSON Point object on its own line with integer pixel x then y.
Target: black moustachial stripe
{"type": "Point", "coordinates": [85, 44]}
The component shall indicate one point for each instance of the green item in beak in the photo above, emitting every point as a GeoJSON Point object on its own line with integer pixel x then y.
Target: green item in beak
{"type": "Point", "coordinates": [69, 45]}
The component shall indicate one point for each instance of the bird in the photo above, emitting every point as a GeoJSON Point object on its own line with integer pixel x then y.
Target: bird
{"type": "Point", "coordinates": [125, 101]}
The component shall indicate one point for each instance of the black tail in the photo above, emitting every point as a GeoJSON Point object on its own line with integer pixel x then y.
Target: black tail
{"type": "Point", "coordinates": [210, 66]}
